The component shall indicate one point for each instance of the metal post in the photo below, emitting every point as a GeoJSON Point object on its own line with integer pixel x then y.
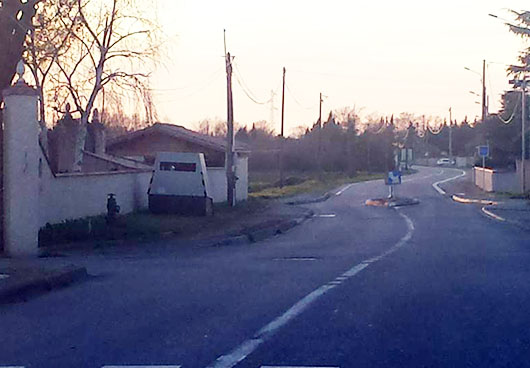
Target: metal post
{"type": "Point", "coordinates": [484, 173]}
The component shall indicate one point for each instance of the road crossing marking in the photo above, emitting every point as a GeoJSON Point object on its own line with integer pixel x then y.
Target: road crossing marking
{"type": "Point", "coordinates": [249, 346]}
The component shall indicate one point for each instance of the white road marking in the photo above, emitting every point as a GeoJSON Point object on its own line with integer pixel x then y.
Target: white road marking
{"type": "Point", "coordinates": [440, 190]}
{"type": "Point", "coordinates": [12, 366]}
{"type": "Point", "coordinates": [492, 215]}
{"type": "Point", "coordinates": [3, 276]}
{"type": "Point", "coordinates": [247, 347]}
{"type": "Point", "coordinates": [140, 366]}
{"type": "Point", "coordinates": [326, 215]}
{"type": "Point", "coordinates": [344, 189]}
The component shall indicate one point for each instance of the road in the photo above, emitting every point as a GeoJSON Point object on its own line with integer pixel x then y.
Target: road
{"type": "Point", "coordinates": [432, 285]}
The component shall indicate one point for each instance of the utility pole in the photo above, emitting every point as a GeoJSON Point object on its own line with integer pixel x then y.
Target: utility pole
{"type": "Point", "coordinates": [450, 134]}
{"type": "Point", "coordinates": [522, 84]}
{"type": "Point", "coordinates": [484, 106]}
{"type": "Point", "coordinates": [230, 175]}
{"type": "Point", "coordinates": [319, 151]}
{"type": "Point", "coordinates": [281, 132]}
{"type": "Point", "coordinates": [523, 137]}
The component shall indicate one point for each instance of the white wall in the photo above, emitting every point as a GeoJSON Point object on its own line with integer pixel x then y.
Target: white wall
{"type": "Point", "coordinates": [78, 195]}
{"type": "Point", "coordinates": [217, 179]}
{"type": "Point", "coordinates": [526, 174]}
{"type": "Point", "coordinates": [495, 181]}
{"type": "Point", "coordinates": [218, 186]}
{"type": "Point", "coordinates": [242, 174]}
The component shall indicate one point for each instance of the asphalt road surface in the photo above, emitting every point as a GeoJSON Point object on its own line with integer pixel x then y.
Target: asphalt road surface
{"type": "Point", "coordinates": [432, 285]}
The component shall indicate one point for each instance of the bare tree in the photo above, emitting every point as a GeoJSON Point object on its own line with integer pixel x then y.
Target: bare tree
{"type": "Point", "coordinates": [53, 27]}
{"type": "Point", "coordinates": [114, 50]}
{"type": "Point", "coordinates": [15, 24]}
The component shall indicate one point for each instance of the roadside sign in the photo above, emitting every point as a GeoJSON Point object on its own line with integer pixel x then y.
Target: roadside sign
{"type": "Point", "coordinates": [483, 151]}
{"type": "Point", "coordinates": [393, 178]}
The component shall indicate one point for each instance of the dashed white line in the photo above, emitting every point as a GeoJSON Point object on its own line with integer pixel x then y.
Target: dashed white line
{"type": "Point", "coordinates": [247, 347]}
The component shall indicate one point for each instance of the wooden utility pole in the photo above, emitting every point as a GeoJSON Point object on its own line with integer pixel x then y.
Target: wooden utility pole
{"type": "Point", "coordinates": [484, 106]}
{"type": "Point", "coordinates": [230, 175]}
{"type": "Point", "coordinates": [319, 151]}
{"type": "Point", "coordinates": [281, 132]}
{"type": "Point", "coordinates": [523, 136]}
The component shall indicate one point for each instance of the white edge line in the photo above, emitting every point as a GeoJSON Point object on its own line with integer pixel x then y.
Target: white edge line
{"type": "Point", "coordinates": [139, 366]}
{"type": "Point", "coordinates": [492, 215]}
{"type": "Point", "coordinates": [247, 347]}
{"type": "Point", "coordinates": [344, 189]}
{"type": "Point", "coordinates": [440, 190]}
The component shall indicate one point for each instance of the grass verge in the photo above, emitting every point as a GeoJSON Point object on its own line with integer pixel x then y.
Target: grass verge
{"type": "Point", "coordinates": [264, 185]}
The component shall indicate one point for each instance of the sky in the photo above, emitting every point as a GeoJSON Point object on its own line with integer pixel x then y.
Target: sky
{"type": "Point", "coordinates": [381, 57]}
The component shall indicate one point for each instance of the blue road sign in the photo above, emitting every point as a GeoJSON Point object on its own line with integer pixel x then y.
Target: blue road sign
{"type": "Point", "coordinates": [393, 178]}
{"type": "Point", "coordinates": [483, 151]}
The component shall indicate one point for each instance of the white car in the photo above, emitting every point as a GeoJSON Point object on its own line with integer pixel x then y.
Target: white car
{"type": "Point", "coordinates": [445, 161]}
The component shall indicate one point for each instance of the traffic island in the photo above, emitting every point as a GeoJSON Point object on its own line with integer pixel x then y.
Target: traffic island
{"type": "Point", "coordinates": [391, 202]}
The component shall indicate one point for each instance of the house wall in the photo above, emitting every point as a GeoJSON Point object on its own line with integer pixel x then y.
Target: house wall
{"type": "Point", "coordinates": [147, 145]}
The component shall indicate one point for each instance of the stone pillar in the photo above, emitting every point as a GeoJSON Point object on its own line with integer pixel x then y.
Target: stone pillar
{"type": "Point", "coordinates": [98, 131]}
{"type": "Point", "coordinates": [21, 169]}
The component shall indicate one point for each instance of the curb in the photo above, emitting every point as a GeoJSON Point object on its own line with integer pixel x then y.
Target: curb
{"type": "Point", "coordinates": [322, 198]}
{"type": "Point", "coordinates": [17, 290]}
{"type": "Point", "coordinates": [281, 228]}
{"type": "Point", "coordinates": [385, 202]}
{"type": "Point", "coordinates": [436, 185]}
{"type": "Point", "coordinates": [263, 233]}
{"type": "Point", "coordinates": [492, 215]}
{"type": "Point", "coordinates": [489, 213]}
{"type": "Point", "coordinates": [460, 199]}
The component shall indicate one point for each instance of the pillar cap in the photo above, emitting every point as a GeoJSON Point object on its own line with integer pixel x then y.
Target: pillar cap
{"type": "Point", "coordinates": [21, 88]}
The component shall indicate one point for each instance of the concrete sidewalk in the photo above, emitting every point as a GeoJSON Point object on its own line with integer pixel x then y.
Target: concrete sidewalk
{"type": "Point", "coordinates": [498, 206]}
{"type": "Point", "coordinates": [22, 278]}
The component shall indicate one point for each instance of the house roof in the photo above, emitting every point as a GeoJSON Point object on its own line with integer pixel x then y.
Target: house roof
{"type": "Point", "coordinates": [177, 131]}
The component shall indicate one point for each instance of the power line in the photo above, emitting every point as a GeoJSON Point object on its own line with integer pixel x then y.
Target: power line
{"type": "Point", "coordinates": [246, 89]}
{"type": "Point", "coordinates": [296, 100]}
{"type": "Point", "coordinates": [247, 93]}
{"type": "Point", "coordinates": [200, 89]}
